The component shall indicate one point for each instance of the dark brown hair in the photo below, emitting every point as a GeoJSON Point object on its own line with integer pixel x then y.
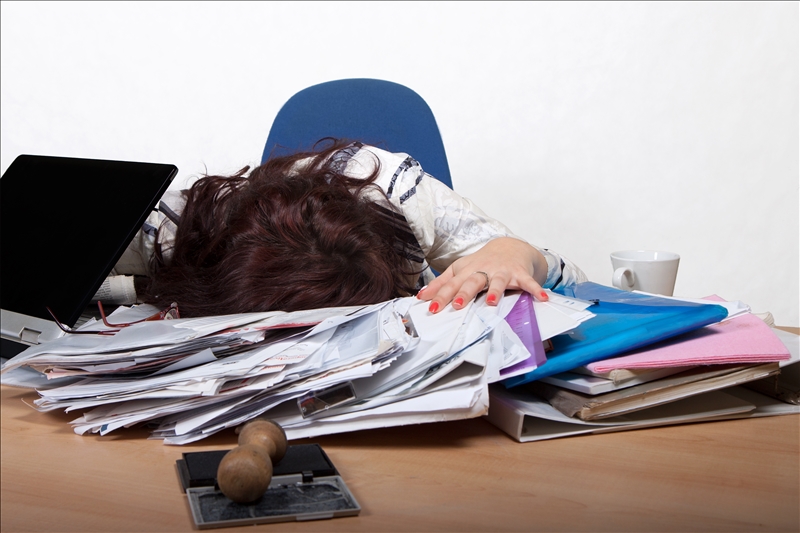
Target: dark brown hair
{"type": "Point", "coordinates": [289, 236]}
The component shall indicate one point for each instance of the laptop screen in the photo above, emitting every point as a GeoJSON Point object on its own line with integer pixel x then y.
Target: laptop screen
{"type": "Point", "coordinates": [64, 223]}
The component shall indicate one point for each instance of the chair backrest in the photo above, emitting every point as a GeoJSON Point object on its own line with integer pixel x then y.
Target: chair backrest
{"type": "Point", "coordinates": [376, 112]}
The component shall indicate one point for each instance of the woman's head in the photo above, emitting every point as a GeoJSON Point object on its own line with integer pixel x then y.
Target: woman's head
{"type": "Point", "coordinates": [286, 237]}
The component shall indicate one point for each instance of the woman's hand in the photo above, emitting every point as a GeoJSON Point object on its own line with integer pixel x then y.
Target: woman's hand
{"type": "Point", "coordinates": [507, 263]}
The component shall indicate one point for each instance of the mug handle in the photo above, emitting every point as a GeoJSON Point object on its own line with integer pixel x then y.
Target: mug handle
{"type": "Point", "coordinates": [623, 279]}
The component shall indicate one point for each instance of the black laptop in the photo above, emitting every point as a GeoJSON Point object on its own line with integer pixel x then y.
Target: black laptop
{"type": "Point", "coordinates": [64, 223]}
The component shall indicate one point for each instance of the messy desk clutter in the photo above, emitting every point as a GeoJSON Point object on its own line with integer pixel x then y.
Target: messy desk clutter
{"type": "Point", "coordinates": [590, 360]}
{"type": "Point", "coordinates": [451, 475]}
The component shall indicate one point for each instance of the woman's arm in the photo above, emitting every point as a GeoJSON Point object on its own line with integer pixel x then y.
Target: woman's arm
{"type": "Point", "coordinates": [462, 242]}
{"type": "Point", "coordinates": [136, 258]}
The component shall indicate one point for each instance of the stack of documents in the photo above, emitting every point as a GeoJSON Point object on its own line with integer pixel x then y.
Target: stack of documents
{"type": "Point", "coordinates": [315, 372]}
{"type": "Point", "coordinates": [709, 373]}
{"type": "Point", "coordinates": [618, 361]}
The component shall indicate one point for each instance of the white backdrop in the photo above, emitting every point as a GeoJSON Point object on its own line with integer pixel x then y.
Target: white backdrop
{"type": "Point", "coordinates": [586, 127]}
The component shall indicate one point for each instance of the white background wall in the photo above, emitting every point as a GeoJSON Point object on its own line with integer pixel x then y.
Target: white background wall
{"type": "Point", "coordinates": [586, 127]}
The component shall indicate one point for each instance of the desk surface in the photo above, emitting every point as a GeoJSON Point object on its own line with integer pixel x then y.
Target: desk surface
{"type": "Point", "coordinates": [738, 475]}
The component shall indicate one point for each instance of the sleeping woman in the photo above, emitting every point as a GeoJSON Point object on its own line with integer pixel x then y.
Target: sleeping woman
{"type": "Point", "coordinates": [345, 225]}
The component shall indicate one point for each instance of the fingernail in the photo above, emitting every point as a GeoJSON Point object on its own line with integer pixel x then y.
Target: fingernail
{"type": "Point", "coordinates": [492, 298]}
{"type": "Point", "coordinates": [433, 307]}
{"type": "Point", "coordinates": [543, 296]}
{"type": "Point", "coordinates": [458, 301]}
{"type": "Point", "coordinates": [420, 292]}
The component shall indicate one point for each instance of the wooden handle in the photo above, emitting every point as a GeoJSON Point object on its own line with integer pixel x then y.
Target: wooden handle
{"type": "Point", "coordinates": [266, 434]}
{"type": "Point", "coordinates": [245, 472]}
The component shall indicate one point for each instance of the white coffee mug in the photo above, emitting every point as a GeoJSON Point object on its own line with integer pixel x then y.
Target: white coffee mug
{"type": "Point", "coordinates": [645, 270]}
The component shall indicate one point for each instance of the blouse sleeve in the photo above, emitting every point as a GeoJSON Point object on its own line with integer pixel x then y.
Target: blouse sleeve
{"type": "Point", "coordinates": [135, 261]}
{"type": "Point", "coordinates": [449, 226]}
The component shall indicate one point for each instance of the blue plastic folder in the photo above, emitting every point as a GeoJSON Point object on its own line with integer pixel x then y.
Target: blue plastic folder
{"type": "Point", "coordinates": [624, 321]}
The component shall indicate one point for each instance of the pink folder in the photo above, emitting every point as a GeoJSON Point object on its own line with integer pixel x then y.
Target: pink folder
{"type": "Point", "coordinates": [744, 339]}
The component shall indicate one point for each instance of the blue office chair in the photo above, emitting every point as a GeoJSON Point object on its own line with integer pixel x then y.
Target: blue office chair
{"type": "Point", "coordinates": [376, 112]}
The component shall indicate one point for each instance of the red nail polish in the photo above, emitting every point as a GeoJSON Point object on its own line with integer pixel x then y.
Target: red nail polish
{"type": "Point", "coordinates": [492, 298]}
{"type": "Point", "coordinates": [458, 301]}
{"type": "Point", "coordinates": [543, 296]}
{"type": "Point", "coordinates": [433, 307]}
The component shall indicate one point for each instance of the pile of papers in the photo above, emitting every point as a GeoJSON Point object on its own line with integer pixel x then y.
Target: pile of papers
{"type": "Point", "coordinates": [315, 372]}
{"type": "Point", "coordinates": [333, 370]}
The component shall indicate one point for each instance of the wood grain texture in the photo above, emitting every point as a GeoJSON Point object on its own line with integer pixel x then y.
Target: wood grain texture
{"type": "Point", "coordinates": [741, 475]}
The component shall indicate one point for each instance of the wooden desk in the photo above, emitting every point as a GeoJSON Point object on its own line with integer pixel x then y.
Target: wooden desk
{"type": "Point", "coordinates": [740, 475]}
